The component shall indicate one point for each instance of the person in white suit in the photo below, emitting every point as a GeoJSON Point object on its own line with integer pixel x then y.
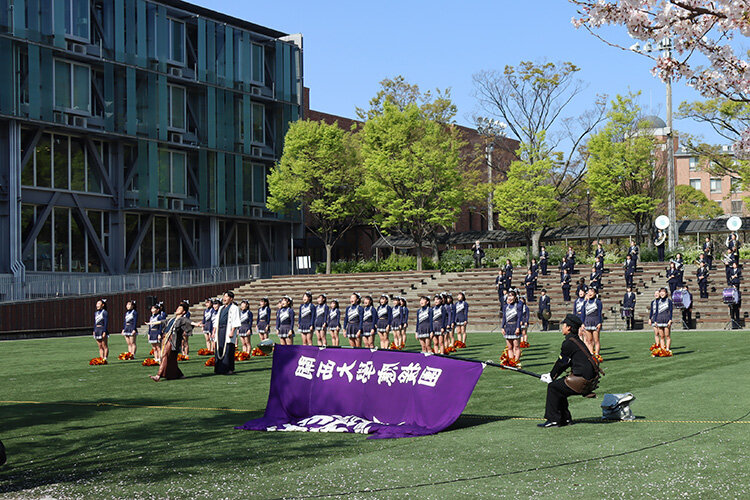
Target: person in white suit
{"type": "Point", "coordinates": [226, 323]}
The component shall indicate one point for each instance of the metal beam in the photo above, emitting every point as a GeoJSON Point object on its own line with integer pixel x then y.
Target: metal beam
{"type": "Point", "coordinates": [40, 196]}
{"type": "Point", "coordinates": [31, 146]}
{"type": "Point", "coordinates": [130, 170]}
{"type": "Point", "coordinates": [193, 180]}
{"type": "Point", "coordinates": [227, 238]}
{"type": "Point", "coordinates": [40, 222]}
{"type": "Point", "coordinates": [138, 240]}
{"type": "Point", "coordinates": [91, 233]}
{"type": "Point", "coordinates": [187, 244]}
{"type": "Point", "coordinates": [99, 165]}
{"type": "Point", "coordinates": [262, 238]}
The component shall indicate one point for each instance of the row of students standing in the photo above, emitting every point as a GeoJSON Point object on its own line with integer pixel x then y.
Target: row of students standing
{"type": "Point", "coordinates": [442, 325]}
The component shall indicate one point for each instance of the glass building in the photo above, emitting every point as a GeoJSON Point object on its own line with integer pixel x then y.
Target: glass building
{"type": "Point", "coordinates": [136, 136]}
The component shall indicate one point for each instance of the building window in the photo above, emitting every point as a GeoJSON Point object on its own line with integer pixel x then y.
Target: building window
{"type": "Point", "coordinates": [259, 184]}
{"type": "Point", "coordinates": [259, 118]}
{"type": "Point", "coordinates": [736, 184]}
{"type": "Point", "coordinates": [172, 172]}
{"type": "Point", "coordinates": [176, 41]}
{"type": "Point", "coordinates": [737, 207]}
{"type": "Point", "coordinates": [72, 87]}
{"type": "Point", "coordinates": [694, 163]}
{"type": "Point", "coordinates": [695, 184]}
{"type": "Point", "coordinates": [77, 13]}
{"type": "Point", "coordinates": [715, 186]}
{"type": "Point", "coordinates": [177, 111]}
{"type": "Point", "coordinates": [258, 64]}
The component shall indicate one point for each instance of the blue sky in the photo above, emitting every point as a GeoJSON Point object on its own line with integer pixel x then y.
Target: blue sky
{"type": "Point", "coordinates": [350, 46]}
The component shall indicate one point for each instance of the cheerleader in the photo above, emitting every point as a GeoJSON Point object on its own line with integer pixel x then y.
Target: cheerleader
{"type": "Point", "coordinates": [246, 326]}
{"type": "Point", "coordinates": [100, 328]}
{"type": "Point", "coordinates": [321, 320]}
{"type": "Point", "coordinates": [155, 326]}
{"type": "Point", "coordinates": [334, 321]}
{"type": "Point", "coordinates": [663, 320]}
{"type": "Point", "coordinates": [525, 314]}
{"type": "Point", "coordinates": [592, 322]}
{"type": "Point", "coordinates": [424, 323]}
{"type": "Point", "coordinates": [285, 321]}
{"type": "Point", "coordinates": [353, 320]}
{"type": "Point", "coordinates": [396, 321]}
{"type": "Point", "coordinates": [369, 317]}
{"type": "Point", "coordinates": [578, 304]}
{"type": "Point", "coordinates": [207, 323]}
{"type": "Point", "coordinates": [511, 327]}
{"type": "Point", "coordinates": [385, 316]}
{"type": "Point", "coordinates": [264, 318]}
{"type": "Point", "coordinates": [439, 321]}
{"type": "Point", "coordinates": [651, 315]}
{"type": "Point", "coordinates": [130, 326]}
{"type": "Point", "coordinates": [462, 317]}
{"type": "Point", "coordinates": [306, 317]}
{"type": "Point", "coordinates": [404, 321]}
{"type": "Point", "coordinates": [450, 340]}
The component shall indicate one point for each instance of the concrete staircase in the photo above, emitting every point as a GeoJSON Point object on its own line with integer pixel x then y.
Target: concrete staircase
{"type": "Point", "coordinates": [479, 287]}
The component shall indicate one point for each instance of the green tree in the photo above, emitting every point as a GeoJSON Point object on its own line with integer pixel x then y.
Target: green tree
{"type": "Point", "coordinates": [526, 199]}
{"type": "Point", "coordinates": [319, 172]}
{"type": "Point", "coordinates": [622, 169]}
{"type": "Point", "coordinates": [436, 105]}
{"type": "Point", "coordinates": [694, 204]}
{"type": "Point", "coordinates": [412, 172]}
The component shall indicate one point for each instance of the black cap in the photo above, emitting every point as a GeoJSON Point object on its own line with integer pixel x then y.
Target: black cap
{"type": "Point", "coordinates": [573, 321]}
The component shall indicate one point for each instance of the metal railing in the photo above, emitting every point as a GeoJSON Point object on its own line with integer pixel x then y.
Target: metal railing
{"type": "Point", "coordinates": [48, 285]}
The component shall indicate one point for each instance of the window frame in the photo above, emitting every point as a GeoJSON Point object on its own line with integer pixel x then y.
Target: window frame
{"type": "Point", "coordinates": [71, 65]}
{"type": "Point", "coordinates": [699, 182]}
{"type": "Point", "coordinates": [171, 22]}
{"type": "Point", "coordinates": [253, 107]}
{"type": "Point", "coordinates": [170, 104]}
{"type": "Point", "coordinates": [711, 185]}
{"type": "Point", "coordinates": [72, 36]}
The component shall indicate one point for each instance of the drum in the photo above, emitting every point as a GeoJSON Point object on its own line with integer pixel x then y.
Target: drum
{"type": "Point", "coordinates": [731, 296]}
{"type": "Point", "coordinates": [678, 297]}
{"type": "Point", "coordinates": [546, 314]}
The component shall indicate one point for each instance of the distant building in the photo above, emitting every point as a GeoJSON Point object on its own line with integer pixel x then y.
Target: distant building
{"type": "Point", "coordinates": [724, 190]}
{"type": "Point", "coordinates": [136, 136]}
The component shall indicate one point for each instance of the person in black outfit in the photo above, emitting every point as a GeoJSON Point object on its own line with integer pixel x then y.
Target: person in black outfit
{"type": "Point", "coordinates": [629, 266]}
{"type": "Point", "coordinates": [660, 237]}
{"type": "Point", "coordinates": [576, 356]}
{"type": "Point", "coordinates": [687, 312]}
{"type": "Point", "coordinates": [544, 305]}
{"type": "Point", "coordinates": [543, 258]}
{"type": "Point", "coordinates": [628, 307]}
{"type": "Point", "coordinates": [565, 284]}
{"type": "Point", "coordinates": [702, 276]}
{"type": "Point", "coordinates": [734, 281]}
{"type": "Point", "coordinates": [478, 254]}
{"type": "Point", "coordinates": [708, 252]}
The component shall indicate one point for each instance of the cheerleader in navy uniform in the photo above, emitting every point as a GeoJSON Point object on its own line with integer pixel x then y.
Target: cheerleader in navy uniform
{"type": "Point", "coordinates": [101, 331]}
{"type": "Point", "coordinates": [424, 323]}
{"type": "Point", "coordinates": [663, 321]}
{"type": "Point", "coordinates": [353, 320]}
{"type": "Point", "coordinates": [207, 323]}
{"type": "Point", "coordinates": [439, 320]}
{"type": "Point", "coordinates": [306, 317]}
{"type": "Point", "coordinates": [130, 326]}
{"type": "Point", "coordinates": [511, 327]}
{"type": "Point", "coordinates": [592, 322]}
{"type": "Point", "coordinates": [246, 326]}
{"type": "Point", "coordinates": [525, 315]}
{"type": "Point", "coordinates": [285, 321]}
{"type": "Point", "coordinates": [450, 340]}
{"type": "Point", "coordinates": [155, 327]}
{"type": "Point", "coordinates": [385, 316]}
{"type": "Point", "coordinates": [396, 321]}
{"type": "Point", "coordinates": [334, 321]}
{"type": "Point", "coordinates": [578, 304]}
{"type": "Point", "coordinates": [404, 321]}
{"type": "Point", "coordinates": [652, 319]}
{"type": "Point", "coordinates": [262, 323]}
{"type": "Point", "coordinates": [462, 318]}
{"type": "Point", "coordinates": [321, 320]}
{"type": "Point", "coordinates": [369, 318]}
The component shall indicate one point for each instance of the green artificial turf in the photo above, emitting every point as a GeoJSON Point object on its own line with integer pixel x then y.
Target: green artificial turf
{"type": "Point", "coordinates": [176, 439]}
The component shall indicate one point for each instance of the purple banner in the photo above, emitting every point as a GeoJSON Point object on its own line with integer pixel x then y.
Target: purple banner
{"type": "Point", "coordinates": [387, 394]}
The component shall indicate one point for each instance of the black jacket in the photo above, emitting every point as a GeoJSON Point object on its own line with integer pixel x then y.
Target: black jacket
{"type": "Point", "coordinates": [571, 356]}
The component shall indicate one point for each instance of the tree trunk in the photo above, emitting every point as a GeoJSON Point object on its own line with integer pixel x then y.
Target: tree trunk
{"type": "Point", "coordinates": [535, 237]}
{"type": "Point", "coordinates": [435, 251]}
{"type": "Point", "coordinates": [419, 256]}
{"type": "Point", "coordinates": [528, 249]}
{"type": "Point", "coordinates": [329, 249]}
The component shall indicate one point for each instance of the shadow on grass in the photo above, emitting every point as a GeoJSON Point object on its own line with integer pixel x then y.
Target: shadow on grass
{"type": "Point", "coordinates": [466, 421]}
